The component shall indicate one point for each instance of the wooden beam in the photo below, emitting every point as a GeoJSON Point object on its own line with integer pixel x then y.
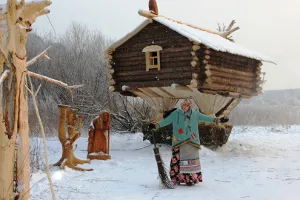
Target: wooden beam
{"type": "Point", "coordinates": [109, 66]}
{"type": "Point", "coordinates": [221, 111]}
{"type": "Point", "coordinates": [125, 88]}
{"type": "Point", "coordinates": [224, 93]}
{"type": "Point", "coordinates": [212, 72]}
{"type": "Point", "coordinates": [195, 83]}
{"type": "Point", "coordinates": [221, 87]}
{"type": "Point", "coordinates": [231, 71]}
{"type": "Point", "coordinates": [181, 87]}
{"type": "Point", "coordinates": [207, 57]}
{"type": "Point", "coordinates": [233, 82]}
{"type": "Point", "coordinates": [111, 88]}
{"type": "Point", "coordinates": [166, 92]}
{"type": "Point", "coordinates": [196, 47]}
{"type": "Point", "coordinates": [195, 76]}
{"type": "Point", "coordinates": [112, 82]}
{"type": "Point", "coordinates": [111, 71]}
{"type": "Point", "coordinates": [155, 77]}
{"type": "Point", "coordinates": [149, 91]}
{"type": "Point", "coordinates": [194, 63]}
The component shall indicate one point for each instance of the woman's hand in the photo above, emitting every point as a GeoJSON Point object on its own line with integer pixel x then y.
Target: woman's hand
{"type": "Point", "coordinates": [152, 127]}
{"type": "Point", "coordinates": [223, 119]}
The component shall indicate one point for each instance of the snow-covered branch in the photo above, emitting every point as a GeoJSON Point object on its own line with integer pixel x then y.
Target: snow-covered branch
{"type": "Point", "coordinates": [60, 83]}
{"type": "Point", "coordinates": [41, 55]}
{"type": "Point", "coordinates": [4, 76]}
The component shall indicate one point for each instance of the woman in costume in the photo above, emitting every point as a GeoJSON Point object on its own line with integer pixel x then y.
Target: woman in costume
{"type": "Point", "coordinates": [185, 164]}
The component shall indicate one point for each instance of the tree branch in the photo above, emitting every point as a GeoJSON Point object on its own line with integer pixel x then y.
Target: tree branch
{"type": "Point", "coordinates": [4, 76]}
{"type": "Point", "coordinates": [41, 55]}
{"type": "Point", "coordinates": [21, 4]}
{"type": "Point", "coordinates": [33, 94]}
{"type": "Point", "coordinates": [227, 33]}
{"type": "Point", "coordinates": [230, 25]}
{"type": "Point", "coordinates": [34, 9]}
{"type": "Point", "coordinates": [3, 54]}
{"type": "Point", "coordinates": [60, 83]}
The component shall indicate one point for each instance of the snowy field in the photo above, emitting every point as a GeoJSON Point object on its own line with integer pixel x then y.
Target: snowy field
{"type": "Point", "coordinates": [256, 164]}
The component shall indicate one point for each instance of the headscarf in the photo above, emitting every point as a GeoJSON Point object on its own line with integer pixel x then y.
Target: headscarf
{"type": "Point", "coordinates": [187, 102]}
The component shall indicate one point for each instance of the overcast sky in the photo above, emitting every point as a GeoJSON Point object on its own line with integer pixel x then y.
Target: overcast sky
{"type": "Point", "coordinates": [269, 27]}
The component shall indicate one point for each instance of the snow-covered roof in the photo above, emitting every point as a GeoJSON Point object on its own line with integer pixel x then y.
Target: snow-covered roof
{"type": "Point", "coordinates": [210, 40]}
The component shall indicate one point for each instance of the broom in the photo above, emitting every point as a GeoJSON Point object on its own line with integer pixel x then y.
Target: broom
{"type": "Point", "coordinates": [164, 178]}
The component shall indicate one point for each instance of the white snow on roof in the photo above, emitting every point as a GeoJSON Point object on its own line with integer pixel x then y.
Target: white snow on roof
{"type": "Point", "coordinates": [210, 40]}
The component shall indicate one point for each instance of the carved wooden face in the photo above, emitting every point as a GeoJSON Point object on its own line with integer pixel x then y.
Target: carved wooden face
{"type": "Point", "coordinates": [105, 117]}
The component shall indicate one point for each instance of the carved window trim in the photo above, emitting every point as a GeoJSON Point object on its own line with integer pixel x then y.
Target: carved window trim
{"type": "Point", "coordinates": [152, 55]}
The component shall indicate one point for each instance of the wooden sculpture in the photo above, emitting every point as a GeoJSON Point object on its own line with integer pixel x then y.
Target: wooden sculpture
{"type": "Point", "coordinates": [68, 158]}
{"type": "Point", "coordinates": [98, 147]}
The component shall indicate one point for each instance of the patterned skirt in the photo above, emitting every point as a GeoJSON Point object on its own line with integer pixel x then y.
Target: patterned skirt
{"type": "Point", "coordinates": [185, 170]}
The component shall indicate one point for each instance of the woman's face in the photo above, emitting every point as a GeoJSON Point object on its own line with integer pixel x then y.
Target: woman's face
{"type": "Point", "coordinates": [185, 107]}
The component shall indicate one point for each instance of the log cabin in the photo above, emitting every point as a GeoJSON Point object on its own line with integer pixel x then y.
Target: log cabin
{"type": "Point", "coordinates": [164, 60]}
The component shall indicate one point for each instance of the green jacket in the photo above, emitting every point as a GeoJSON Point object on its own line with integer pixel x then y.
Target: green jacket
{"type": "Point", "coordinates": [185, 126]}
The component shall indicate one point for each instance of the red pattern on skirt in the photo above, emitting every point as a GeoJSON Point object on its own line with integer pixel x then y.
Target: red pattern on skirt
{"type": "Point", "coordinates": [177, 177]}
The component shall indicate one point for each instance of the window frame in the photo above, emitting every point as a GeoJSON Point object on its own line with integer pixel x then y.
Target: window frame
{"type": "Point", "coordinates": [150, 58]}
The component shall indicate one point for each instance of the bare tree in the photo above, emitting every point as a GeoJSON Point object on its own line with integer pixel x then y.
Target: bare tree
{"type": "Point", "coordinates": [16, 18]}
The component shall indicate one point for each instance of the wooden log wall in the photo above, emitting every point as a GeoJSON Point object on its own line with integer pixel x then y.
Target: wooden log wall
{"type": "Point", "coordinates": [184, 63]}
{"type": "Point", "coordinates": [128, 64]}
{"type": "Point", "coordinates": [221, 72]}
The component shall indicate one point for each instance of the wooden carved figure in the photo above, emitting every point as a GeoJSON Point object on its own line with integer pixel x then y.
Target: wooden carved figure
{"type": "Point", "coordinates": [98, 147]}
{"type": "Point", "coordinates": [68, 138]}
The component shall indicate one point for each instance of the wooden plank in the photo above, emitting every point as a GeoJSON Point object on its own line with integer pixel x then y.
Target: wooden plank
{"type": "Point", "coordinates": [230, 71]}
{"type": "Point", "coordinates": [221, 111]}
{"type": "Point", "coordinates": [149, 91]}
{"type": "Point", "coordinates": [236, 89]}
{"type": "Point", "coordinates": [181, 87]}
{"type": "Point", "coordinates": [166, 92]}
{"type": "Point", "coordinates": [233, 82]}
{"type": "Point", "coordinates": [173, 66]}
{"type": "Point", "coordinates": [230, 76]}
{"type": "Point", "coordinates": [163, 70]}
{"type": "Point", "coordinates": [153, 77]}
{"type": "Point", "coordinates": [161, 83]}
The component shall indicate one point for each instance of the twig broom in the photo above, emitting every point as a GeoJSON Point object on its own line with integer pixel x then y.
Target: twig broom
{"type": "Point", "coordinates": [164, 178]}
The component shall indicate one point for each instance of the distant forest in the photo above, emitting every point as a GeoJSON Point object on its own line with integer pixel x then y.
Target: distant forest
{"type": "Point", "coordinates": [273, 107]}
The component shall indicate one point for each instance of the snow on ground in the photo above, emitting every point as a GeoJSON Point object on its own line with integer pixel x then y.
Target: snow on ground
{"type": "Point", "coordinates": [258, 163]}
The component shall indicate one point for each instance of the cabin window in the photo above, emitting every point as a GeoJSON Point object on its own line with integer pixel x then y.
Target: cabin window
{"type": "Point", "coordinates": [152, 54]}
